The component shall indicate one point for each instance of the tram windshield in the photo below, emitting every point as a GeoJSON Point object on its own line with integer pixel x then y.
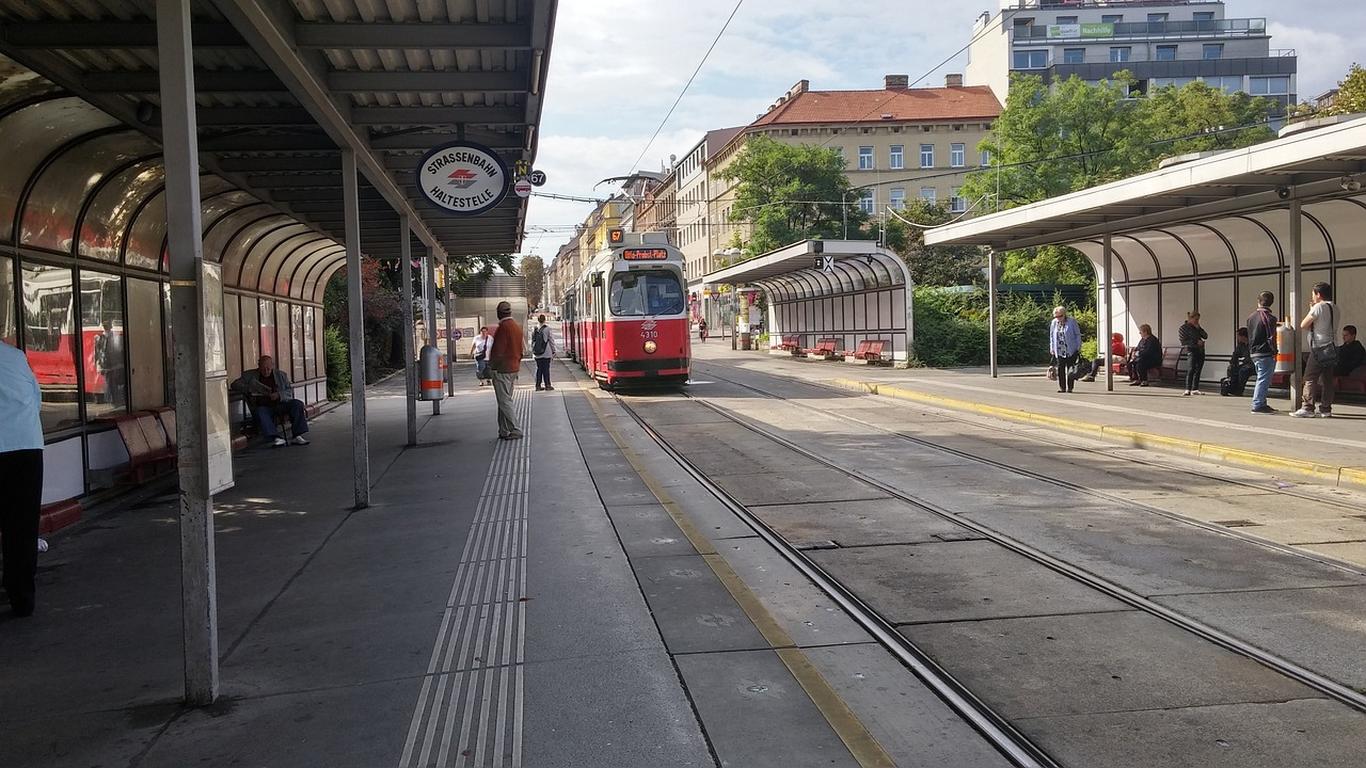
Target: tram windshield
{"type": "Point", "coordinates": [636, 294]}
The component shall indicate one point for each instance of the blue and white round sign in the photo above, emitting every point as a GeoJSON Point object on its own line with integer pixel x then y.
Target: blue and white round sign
{"type": "Point", "coordinates": [463, 179]}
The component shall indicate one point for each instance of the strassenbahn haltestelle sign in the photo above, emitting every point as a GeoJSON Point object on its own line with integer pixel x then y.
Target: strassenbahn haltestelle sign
{"type": "Point", "coordinates": [463, 179]}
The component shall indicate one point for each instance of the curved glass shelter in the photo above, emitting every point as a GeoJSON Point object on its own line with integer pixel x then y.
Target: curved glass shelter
{"type": "Point", "coordinates": [848, 290]}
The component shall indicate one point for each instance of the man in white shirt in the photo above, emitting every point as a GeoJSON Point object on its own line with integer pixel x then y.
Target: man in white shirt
{"type": "Point", "coordinates": [1319, 369]}
{"type": "Point", "coordinates": [543, 349]}
{"type": "Point", "coordinates": [21, 476]}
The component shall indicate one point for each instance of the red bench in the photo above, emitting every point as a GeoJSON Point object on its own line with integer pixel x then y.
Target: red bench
{"type": "Point", "coordinates": [791, 344]}
{"type": "Point", "coordinates": [871, 351]}
{"type": "Point", "coordinates": [150, 453]}
{"type": "Point", "coordinates": [824, 349]}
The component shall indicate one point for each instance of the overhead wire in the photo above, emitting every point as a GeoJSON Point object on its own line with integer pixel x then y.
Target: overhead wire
{"type": "Point", "coordinates": [688, 84]}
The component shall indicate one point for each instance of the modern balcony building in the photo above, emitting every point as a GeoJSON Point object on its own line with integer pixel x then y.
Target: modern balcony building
{"type": "Point", "coordinates": [1162, 42]}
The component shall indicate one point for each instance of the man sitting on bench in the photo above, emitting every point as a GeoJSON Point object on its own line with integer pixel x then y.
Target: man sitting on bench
{"type": "Point", "coordinates": [271, 396]}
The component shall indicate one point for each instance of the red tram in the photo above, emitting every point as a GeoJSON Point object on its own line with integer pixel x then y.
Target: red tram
{"type": "Point", "coordinates": [626, 320]}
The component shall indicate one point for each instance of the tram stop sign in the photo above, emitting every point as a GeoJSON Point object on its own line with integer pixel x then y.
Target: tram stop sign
{"type": "Point", "coordinates": [522, 188]}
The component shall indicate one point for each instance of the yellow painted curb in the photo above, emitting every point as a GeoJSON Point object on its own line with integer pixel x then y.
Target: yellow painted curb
{"type": "Point", "coordinates": [1342, 476]}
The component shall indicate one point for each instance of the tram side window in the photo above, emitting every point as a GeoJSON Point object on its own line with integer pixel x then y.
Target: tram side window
{"type": "Point", "coordinates": [50, 342]}
{"type": "Point", "coordinates": [635, 294]}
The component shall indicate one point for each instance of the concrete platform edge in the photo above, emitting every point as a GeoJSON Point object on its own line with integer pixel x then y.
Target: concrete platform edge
{"type": "Point", "coordinates": [1346, 477]}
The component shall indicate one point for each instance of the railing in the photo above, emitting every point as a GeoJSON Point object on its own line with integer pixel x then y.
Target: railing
{"type": "Point", "coordinates": [1255, 27]}
{"type": "Point", "coordinates": [1010, 5]}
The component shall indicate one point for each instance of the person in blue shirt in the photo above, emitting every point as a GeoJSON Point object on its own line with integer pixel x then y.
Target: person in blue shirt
{"type": "Point", "coordinates": [21, 477]}
{"type": "Point", "coordinates": [1064, 343]}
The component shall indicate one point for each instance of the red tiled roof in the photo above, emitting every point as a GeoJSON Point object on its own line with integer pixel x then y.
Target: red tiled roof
{"type": "Point", "coordinates": [961, 103]}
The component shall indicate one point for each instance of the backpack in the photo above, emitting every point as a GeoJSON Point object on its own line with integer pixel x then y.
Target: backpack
{"type": "Point", "coordinates": [538, 343]}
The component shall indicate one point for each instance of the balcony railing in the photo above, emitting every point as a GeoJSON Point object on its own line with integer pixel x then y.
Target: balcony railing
{"type": "Point", "coordinates": [1054, 5]}
{"type": "Point", "coordinates": [1163, 30]}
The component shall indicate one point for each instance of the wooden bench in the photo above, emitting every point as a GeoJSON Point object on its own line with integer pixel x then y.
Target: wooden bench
{"type": "Point", "coordinates": [150, 453]}
{"type": "Point", "coordinates": [824, 349]}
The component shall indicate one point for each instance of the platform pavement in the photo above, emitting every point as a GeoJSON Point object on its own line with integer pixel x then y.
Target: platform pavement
{"type": "Point", "coordinates": [1218, 429]}
{"type": "Point", "coordinates": [513, 603]}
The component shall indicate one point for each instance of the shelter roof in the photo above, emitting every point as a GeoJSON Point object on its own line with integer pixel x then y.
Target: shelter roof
{"type": "Point", "coordinates": [901, 105]}
{"type": "Point", "coordinates": [855, 265]}
{"type": "Point", "coordinates": [1220, 213]}
{"type": "Point", "coordinates": [283, 87]}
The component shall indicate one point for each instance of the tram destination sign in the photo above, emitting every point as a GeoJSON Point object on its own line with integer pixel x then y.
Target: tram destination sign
{"type": "Point", "coordinates": [463, 179]}
{"type": "Point", "coordinates": [645, 254]}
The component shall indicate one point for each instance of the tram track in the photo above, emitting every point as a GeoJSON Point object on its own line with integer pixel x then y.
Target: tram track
{"type": "Point", "coordinates": [935, 675]}
{"type": "Point", "coordinates": [1081, 488]}
{"type": "Point", "coordinates": [998, 731]}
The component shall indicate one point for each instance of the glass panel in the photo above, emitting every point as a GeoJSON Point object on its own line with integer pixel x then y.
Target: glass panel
{"type": "Point", "coordinates": [319, 356]}
{"type": "Point", "coordinates": [9, 326]}
{"type": "Point", "coordinates": [653, 292]}
{"type": "Point", "coordinates": [50, 342]}
{"type": "Point", "coordinates": [232, 322]}
{"type": "Point", "coordinates": [251, 339]}
{"type": "Point", "coordinates": [282, 345]}
{"type": "Point", "coordinates": [108, 216]}
{"type": "Point", "coordinates": [310, 344]}
{"type": "Point", "coordinates": [103, 338]}
{"type": "Point", "coordinates": [217, 207]}
{"type": "Point", "coordinates": [267, 334]}
{"type": "Point", "coordinates": [169, 342]}
{"type": "Point", "coordinates": [30, 134]}
{"type": "Point", "coordinates": [148, 234]}
{"type": "Point", "coordinates": [147, 376]}
{"type": "Point", "coordinates": [296, 338]}
{"type": "Point", "coordinates": [49, 217]}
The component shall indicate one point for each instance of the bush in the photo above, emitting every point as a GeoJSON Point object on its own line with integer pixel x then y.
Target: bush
{"type": "Point", "coordinates": [338, 358]}
{"type": "Point", "coordinates": [951, 329]}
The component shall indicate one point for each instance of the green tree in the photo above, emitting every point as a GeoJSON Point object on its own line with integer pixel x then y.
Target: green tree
{"type": "Point", "coordinates": [533, 270]}
{"type": "Point", "coordinates": [790, 193]}
{"type": "Point", "coordinates": [935, 264]}
{"type": "Point", "coordinates": [1052, 264]}
{"type": "Point", "coordinates": [1198, 118]}
{"type": "Point", "coordinates": [1351, 98]}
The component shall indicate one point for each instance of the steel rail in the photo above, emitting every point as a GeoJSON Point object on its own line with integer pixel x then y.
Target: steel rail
{"type": "Point", "coordinates": [995, 729]}
{"type": "Point", "coordinates": [1308, 677]}
{"type": "Point", "coordinates": [1285, 549]}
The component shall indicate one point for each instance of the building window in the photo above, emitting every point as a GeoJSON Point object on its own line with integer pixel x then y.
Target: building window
{"type": "Point", "coordinates": [1031, 59]}
{"type": "Point", "coordinates": [1212, 51]}
{"type": "Point", "coordinates": [1067, 20]}
{"type": "Point", "coordinates": [958, 155]}
{"type": "Point", "coordinates": [865, 158]}
{"type": "Point", "coordinates": [1073, 55]}
{"type": "Point", "coordinates": [865, 201]}
{"type": "Point", "coordinates": [1269, 86]}
{"type": "Point", "coordinates": [956, 202]}
{"type": "Point", "coordinates": [926, 155]}
{"type": "Point", "coordinates": [1230, 84]}
{"type": "Point", "coordinates": [1203, 16]}
{"type": "Point", "coordinates": [1157, 18]}
{"type": "Point", "coordinates": [1166, 53]}
{"type": "Point", "coordinates": [927, 194]}
{"type": "Point", "coordinates": [986, 158]}
{"type": "Point", "coordinates": [897, 158]}
{"type": "Point", "coordinates": [1120, 53]}
{"type": "Point", "coordinates": [1111, 18]}
{"type": "Point", "coordinates": [898, 198]}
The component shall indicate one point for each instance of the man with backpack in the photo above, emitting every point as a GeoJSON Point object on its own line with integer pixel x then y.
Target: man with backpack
{"type": "Point", "coordinates": [543, 349]}
{"type": "Point", "coordinates": [1261, 328]}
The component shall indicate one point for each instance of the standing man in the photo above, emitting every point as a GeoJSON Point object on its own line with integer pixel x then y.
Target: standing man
{"type": "Point", "coordinates": [543, 349]}
{"type": "Point", "coordinates": [21, 476]}
{"type": "Point", "coordinates": [1261, 328]}
{"type": "Point", "coordinates": [1064, 342]}
{"type": "Point", "coordinates": [1322, 324]}
{"type": "Point", "coordinates": [505, 357]}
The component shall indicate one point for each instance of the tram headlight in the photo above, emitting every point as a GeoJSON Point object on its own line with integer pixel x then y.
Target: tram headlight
{"type": "Point", "coordinates": [650, 347]}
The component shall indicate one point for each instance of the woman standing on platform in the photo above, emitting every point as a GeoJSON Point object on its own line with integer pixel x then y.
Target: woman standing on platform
{"type": "Point", "coordinates": [1192, 338]}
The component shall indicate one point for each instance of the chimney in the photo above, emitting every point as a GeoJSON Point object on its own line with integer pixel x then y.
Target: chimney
{"type": "Point", "coordinates": [953, 81]}
{"type": "Point", "coordinates": [896, 82]}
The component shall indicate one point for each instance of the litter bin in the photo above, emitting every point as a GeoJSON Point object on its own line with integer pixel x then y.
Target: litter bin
{"type": "Point", "coordinates": [745, 341]}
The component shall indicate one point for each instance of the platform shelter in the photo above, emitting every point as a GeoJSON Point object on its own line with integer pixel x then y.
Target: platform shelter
{"type": "Point", "coordinates": [1209, 233]}
{"type": "Point", "coordinates": [181, 180]}
{"type": "Point", "coordinates": [847, 290]}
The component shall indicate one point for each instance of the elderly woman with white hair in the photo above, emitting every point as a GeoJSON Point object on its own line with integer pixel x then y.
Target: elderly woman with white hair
{"type": "Point", "coordinates": [1064, 343]}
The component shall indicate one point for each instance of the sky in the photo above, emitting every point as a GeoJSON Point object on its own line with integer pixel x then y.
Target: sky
{"type": "Point", "coordinates": [616, 66]}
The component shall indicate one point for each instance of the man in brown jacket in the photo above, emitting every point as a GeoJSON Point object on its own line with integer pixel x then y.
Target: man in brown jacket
{"type": "Point", "coordinates": [505, 357]}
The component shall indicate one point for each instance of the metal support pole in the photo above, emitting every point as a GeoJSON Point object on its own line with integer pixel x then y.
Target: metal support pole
{"type": "Point", "coordinates": [405, 250]}
{"type": "Point", "coordinates": [1108, 326]}
{"type": "Point", "coordinates": [430, 290]}
{"type": "Point", "coordinates": [450, 340]}
{"type": "Point", "coordinates": [360, 441]}
{"type": "Point", "coordinates": [991, 312]}
{"type": "Point", "coordinates": [180, 146]}
{"type": "Point", "coordinates": [1292, 298]}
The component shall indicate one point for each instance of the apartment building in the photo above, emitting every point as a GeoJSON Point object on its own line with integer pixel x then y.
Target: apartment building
{"type": "Point", "coordinates": [898, 143]}
{"type": "Point", "coordinates": [1166, 42]}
